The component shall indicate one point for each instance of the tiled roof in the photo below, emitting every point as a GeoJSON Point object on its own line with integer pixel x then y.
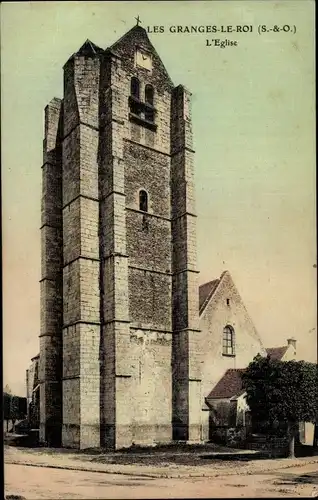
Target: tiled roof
{"type": "Point", "coordinates": [276, 352]}
{"type": "Point", "coordinates": [230, 385]}
{"type": "Point", "coordinates": [205, 293]}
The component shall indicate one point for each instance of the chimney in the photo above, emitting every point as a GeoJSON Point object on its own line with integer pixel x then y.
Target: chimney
{"type": "Point", "coordinates": [292, 342]}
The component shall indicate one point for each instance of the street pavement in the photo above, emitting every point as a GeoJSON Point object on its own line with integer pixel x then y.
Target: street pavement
{"type": "Point", "coordinates": [46, 483]}
{"type": "Point", "coordinates": [36, 474]}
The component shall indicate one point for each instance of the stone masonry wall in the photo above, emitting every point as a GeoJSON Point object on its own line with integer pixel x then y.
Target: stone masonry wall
{"type": "Point", "coordinates": [50, 364]}
{"type": "Point", "coordinates": [151, 415]}
{"type": "Point", "coordinates": [186, 336]}
{"type": "Point", "coordinates": [115, 375]}
{"type": "Point", "coordinates": [81, 319]}
{"type": "Point", "coordinates": [130, 296]}
{"type": "Point", "coordinates": [148, 237]}
{"type": "Point", "coordinates": [136, 265]}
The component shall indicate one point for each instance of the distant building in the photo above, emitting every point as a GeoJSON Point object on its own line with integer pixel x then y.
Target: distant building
{"type": "Point", "coordinates": [227, 400]}
{"type": "Point", "coordinates": [229, 342]}
{"type": "Point", "coordinates": [284, 353]}
{"type": "Point", "coordinates": [229, 387]}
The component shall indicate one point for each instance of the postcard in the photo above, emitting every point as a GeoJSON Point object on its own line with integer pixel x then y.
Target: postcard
{"type": "Point", "coordinates": [159, 258]}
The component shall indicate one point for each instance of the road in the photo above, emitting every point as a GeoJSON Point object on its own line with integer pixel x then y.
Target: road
{"type": "Point", "coordinates": [46, 483]}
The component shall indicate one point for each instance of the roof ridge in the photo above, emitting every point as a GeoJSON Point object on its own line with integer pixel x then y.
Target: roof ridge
{"type": "Point", "coordinates": [276, 352]}
{"type": "Point", "coordinates": [217, 282]}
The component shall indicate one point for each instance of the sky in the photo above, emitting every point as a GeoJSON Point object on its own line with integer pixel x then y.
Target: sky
{"type": "Point", "coordinates": [253, 112]}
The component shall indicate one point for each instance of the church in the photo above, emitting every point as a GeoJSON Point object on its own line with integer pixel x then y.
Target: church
{"type": "Point", "coordinates": [130, 345]}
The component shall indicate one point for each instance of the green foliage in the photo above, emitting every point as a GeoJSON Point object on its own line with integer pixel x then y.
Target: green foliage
{"type": "Point", "coordinates": [14, 407]}
{"type": "Point", "coordinates": [6, 406]}
{"type": "Point", "coordinates": [281, 392]}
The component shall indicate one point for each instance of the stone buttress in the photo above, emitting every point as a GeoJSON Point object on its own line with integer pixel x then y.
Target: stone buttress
{"type": "Point", "coordinates": [185, 309]}
{"type": "Point", "coordinates": [50, 365]}
{"type": "Point", "coordinates": [81, 259]}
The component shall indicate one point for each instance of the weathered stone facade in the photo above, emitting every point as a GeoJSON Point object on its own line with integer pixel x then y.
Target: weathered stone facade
{"type": "Point", "coordinates": [224, 307]}
{"type": "Point", "coordinates": [119, 294]}
{"type": "Point", "coordinates": [124, 357]}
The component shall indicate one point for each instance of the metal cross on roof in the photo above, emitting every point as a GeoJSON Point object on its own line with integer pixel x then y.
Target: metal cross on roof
{"type": "Point", "coordinates": [138, 20]}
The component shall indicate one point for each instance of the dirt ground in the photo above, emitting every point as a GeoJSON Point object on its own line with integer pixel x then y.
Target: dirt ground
{"type": "Point", "coordinates": [54, 474]}
{"type": "Point", "coordinates": [45, 483]}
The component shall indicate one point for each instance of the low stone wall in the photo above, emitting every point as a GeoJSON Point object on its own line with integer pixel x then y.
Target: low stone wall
{"type": "Point", "coordinates": [239, 437]}
{"type": "Point", "coordinates": [275, 446]}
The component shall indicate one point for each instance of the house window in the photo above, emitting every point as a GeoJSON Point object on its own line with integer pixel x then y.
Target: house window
{"type": "Point", "coordinates": [143, 201]}
{"type": "Point", "coordinates": [149, 99]}
{"type": "Point", "coordinates": [228, 341]}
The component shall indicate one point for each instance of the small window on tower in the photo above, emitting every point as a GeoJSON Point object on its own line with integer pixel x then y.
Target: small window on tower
{"type": "Point", "coordinates": [141, 104]}
{"type": "Point", "coordinates": [143, 201]}
{"type": "Point", "coordinates": [135, 96]}
{"type": "Point", "coordinates": [149, 94]}
{"type": "Point", "coordinates": [135, 87]}
{"type": "Point", "coordinates": [149, 98]}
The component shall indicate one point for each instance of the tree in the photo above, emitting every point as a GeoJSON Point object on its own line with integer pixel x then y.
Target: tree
{"type": "Point", "coordinates": [281, 393]}
{"type": "Point", "coordinates": [6, 408]}
{"type": "Point", "coordinates": [14, 408]}
{"type": "Point", "coordinates": [14, 411]}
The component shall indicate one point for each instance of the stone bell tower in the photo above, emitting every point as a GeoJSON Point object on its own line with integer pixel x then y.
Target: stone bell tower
{"type": "Point", "coordinates": [119, 348]}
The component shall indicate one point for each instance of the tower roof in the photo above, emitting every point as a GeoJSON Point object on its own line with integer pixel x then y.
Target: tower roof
{"type": "Point", "coordinates": [124, 48]}
{"type": "Point", "coordinates": [89, 49]}
{"type": "Point", "coordinates": [135, 31]}
{"type": "Point", "coordinates": [137, 36]}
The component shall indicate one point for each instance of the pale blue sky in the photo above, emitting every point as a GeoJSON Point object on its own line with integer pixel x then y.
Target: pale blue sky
{"type": "Point", "coordinates": [253, 120]}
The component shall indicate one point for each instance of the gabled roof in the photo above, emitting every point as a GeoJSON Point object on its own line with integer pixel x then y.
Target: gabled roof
{"type": "Point", "coordinates": [228, 386]}
{"type": "Point", "coordinates": [205, 293]}
{"type": "Point", "coordinates": [276, 352]}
